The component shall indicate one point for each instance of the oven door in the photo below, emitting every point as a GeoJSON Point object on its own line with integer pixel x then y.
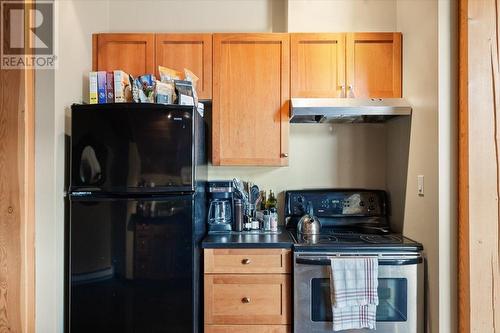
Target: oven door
{"type": "Point", "coordinates": [400, 293]}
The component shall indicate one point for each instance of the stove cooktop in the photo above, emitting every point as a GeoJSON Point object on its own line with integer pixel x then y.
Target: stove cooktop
{"type": "Point", "coordinates": [351, 219]}
{"type": "Point", "coordinates": [352, 240]}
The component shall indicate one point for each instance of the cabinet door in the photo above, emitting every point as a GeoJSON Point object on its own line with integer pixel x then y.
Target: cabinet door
{"type": "Point", "coordinates": [133, 53]}
{"type": "Point", "coordinates": [247, 299]}
{"type": "Point", "coordinates": [317, 65]}
{"type": "Point", "coordinates": [374, 65]}
{"type": "Point", "coordinates": [191, 51]}
{"type": "Point", "coordinates": [250, 99]}
{"type": "Point", "coordinates": [248, 329]}
{"type": "Point", "coordinates": [238, 261]}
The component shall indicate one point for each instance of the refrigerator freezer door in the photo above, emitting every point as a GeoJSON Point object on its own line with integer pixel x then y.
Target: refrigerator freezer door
{"type": "Point", "coordinates": [131, 267]}
{"type": "Point", "coordinates": [132, 148]}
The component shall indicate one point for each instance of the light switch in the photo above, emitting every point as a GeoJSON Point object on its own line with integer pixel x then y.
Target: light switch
{"type": "Point", "coordinates": [420, 185]}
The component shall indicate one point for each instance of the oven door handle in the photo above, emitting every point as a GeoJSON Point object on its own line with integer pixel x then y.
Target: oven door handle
{"type": "Point", "coordinates": [381, 262]}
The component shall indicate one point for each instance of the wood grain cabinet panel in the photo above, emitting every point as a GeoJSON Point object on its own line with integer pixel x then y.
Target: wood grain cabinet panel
{"type": "Point", "coordinates": [247, 299]}
{"type": "Point", "coordinates": [373, 65]}
{"type": "Point", "coordinates": [191, 51]}
{"type": "Point", "coordinates": [317, 64]}
{"type": "Point", "coordinates": [248, 329]}
{"type": "Point", "coordinates": [247, 261]}
{"type": "Point", "coordinates": [131, 52]}
{"type": "Point", "coordinates": [251, 87]}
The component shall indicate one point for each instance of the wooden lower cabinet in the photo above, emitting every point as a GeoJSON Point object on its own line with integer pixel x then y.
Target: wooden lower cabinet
{"type": "Point", "coordinates": [248, 329]}
{"type": "Point", "coordinates": [247, 291]}
{"type": "Point", "coordinates": [248, 261]}
{"type": "Point", "coordinates": [247, 299]}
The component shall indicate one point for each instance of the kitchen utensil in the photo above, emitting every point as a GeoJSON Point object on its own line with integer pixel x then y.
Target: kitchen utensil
{"type": "Point", "coordinates": [240, 189]}
{"type": "Point", "coordinates": [219, 212]}
{"type": "Point", "coordinates": [309, 224]}
{"type": "Point", "coordinates": [258, 202]}
{"type": "Point", "coordinates": [254, 194]}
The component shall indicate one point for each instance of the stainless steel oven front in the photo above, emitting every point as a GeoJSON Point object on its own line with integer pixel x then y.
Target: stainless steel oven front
{"type": "Point", "coordinates": [401, 292]}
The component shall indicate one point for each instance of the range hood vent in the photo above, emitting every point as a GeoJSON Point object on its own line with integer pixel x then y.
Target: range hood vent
{"type": "Point", "coordinates": [347, 110]}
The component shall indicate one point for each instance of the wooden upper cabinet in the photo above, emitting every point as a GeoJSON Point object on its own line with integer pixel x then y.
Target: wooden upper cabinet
{"type": "Point", "coordinates": [373, 65]}
{"type": "Point", "coordinates": [191, 51]}
{"type": "Point", "coordinates": [131, 52]}
{"type": "Point", "coordinates": [251, 84]}
{"type": "Point", "coordinates": [317, 64]}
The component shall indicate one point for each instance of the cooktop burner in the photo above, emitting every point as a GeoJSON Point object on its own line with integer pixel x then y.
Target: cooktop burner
{"type": "Point", "coordinates": [353, 240]}
{"type": "Point", "coordinates": [352, 237]}
{"type": "Point", "coordinates": [350, 219]}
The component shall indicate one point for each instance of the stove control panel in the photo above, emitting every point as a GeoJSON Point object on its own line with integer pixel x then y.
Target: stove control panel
{"type": "Point", "coordinates": [336, 203]}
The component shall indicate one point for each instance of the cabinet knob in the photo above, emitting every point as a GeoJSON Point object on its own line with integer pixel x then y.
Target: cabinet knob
{"type": "Point", "coordinates": [284, 155]}
{"type": "Point", "coordinates": [246, 261]}
{"type": "Point", "coordinates": [351, 92]}
{"type": "Point", "coordinates": [245, 300]}
{"type": "Point", "coordinates": [342, 91]}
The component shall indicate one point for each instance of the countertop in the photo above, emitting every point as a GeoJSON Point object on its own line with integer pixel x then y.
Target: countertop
{"type": "Point", "coordinates": [281, 240]}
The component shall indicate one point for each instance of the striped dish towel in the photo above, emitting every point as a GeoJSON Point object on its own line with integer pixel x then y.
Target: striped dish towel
{"type": "Point", "coordinates": [353, 286]}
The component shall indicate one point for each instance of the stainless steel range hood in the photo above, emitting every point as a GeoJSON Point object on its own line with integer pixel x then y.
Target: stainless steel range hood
{"type": "Point", "coordinates": [347, 110]}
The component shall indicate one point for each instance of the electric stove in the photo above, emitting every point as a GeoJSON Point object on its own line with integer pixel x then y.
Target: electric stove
{"type": "Point", "coordinates": [350, 219]}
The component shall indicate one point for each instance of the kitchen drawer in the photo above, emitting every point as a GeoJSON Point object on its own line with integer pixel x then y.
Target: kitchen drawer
{"type": "Point", "coordinates": [247, 329]}
{"type": "Point", "coordinates": [247, 299]}
{"type": "Point", "coordinates": [270, 261]}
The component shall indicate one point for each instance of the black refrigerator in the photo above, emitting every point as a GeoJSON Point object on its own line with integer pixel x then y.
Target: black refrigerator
{"type": "Point", "coordinates": [137, 211]}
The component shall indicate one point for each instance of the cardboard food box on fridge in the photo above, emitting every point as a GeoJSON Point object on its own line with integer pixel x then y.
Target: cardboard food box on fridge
{"type": "Point", "coordinates": [123, 88]}
{"type": "Point", "coordinates": [93, 88]}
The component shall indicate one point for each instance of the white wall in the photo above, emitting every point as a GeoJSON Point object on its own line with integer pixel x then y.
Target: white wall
{"type": "Point", "coordinates": [192, 15]}
{"type": "Point", "coordinates": [448, 134]}
{"type": "Point", "coordinates": [55, 92]}
{"type": "Point", "coordinates": [341, 15]}
{"type": "Point", "coordinates": [417, 20]}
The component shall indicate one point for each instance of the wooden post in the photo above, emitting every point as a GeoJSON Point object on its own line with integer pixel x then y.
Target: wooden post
{"type": "Point", "coordinates": [17, 188]}
{"type": "Point", "coordinates": [479, 167]}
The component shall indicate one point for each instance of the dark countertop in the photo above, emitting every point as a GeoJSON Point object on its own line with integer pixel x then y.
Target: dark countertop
{"type": "Point", "coordinates": [248, 240]}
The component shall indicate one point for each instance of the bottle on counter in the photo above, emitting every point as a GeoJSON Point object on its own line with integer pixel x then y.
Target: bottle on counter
{"type": "Point", "coordinates": [247, 226]}
{"type": "Point", "coordinates": [271, 201]}
{"type": "Point", "coordinates": [238, 215]}
{"type": "Point", "coordinates": [263, 200]}
{"type": "Point", "coordinates": [273, 218]}
{"type": "Point", "coordinates": [255, 224]}
{"type": "Point", "coordinates": [267, 221]}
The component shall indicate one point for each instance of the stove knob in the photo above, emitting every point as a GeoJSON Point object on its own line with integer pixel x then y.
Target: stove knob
{"type": "Point", "coordinates": [300, 199]}
{"type": "Point", "coordinates": [300, 208]}
{"type": "Point", "coordinates": [361, 204]}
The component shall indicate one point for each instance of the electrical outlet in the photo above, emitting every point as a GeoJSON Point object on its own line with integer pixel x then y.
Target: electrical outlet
{"type": "Point", "coordinates": [420, 185]}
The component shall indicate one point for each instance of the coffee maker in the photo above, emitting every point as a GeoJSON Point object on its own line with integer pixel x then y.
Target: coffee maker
{"type": "Point", "coordinates": [220, 206]}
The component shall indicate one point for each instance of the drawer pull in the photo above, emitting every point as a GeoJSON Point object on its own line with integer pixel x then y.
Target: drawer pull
{"type": "Point", "coordinates": [246, 261]}
{"type": "Point", "coordinates": [245, 300]}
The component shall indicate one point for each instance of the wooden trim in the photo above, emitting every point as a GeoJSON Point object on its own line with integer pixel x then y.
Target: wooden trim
{"type": "Point", "coordinates": [17, 178]}
{"type": "Point", "coordinates": [463, 175]}
{"type": "Point", "coordinates": [397, 66]}
{"type": "Point", "coordinates": [28, 190]}
{"type": "Point", "coordinates": [285, 99]}
{"type": "Point", "coordinates": [95, 43]}
{"type": "Point", "coordinates": [216, 136]}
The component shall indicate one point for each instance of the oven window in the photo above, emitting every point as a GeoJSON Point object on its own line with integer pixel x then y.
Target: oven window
{"type": "Point", "coordinates": [392, 295]}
